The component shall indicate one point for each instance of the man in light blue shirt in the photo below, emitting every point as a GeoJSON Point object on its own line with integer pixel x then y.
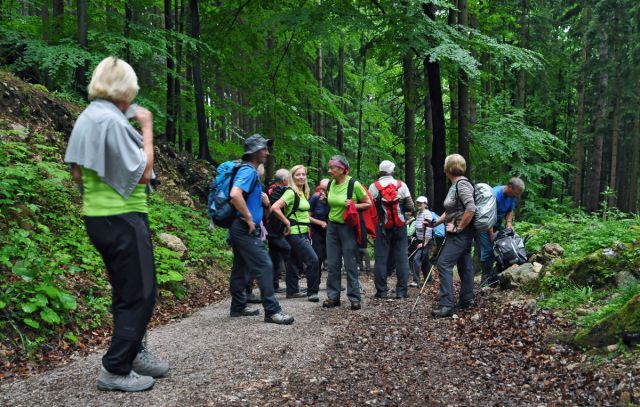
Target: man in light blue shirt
{"type": "Point", "coordinates": [506, 196]}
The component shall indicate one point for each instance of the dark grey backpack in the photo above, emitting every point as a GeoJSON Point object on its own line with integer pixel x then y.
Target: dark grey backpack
{"type": "Point", "coordinates": [508, 249]}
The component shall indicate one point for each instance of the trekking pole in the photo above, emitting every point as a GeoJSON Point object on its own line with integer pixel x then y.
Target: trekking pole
{"type": "Point", "coordinates": [424, 284]}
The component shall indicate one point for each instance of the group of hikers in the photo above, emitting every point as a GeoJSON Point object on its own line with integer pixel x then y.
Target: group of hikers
{"type": "Point", "coordinates": [112, 164]}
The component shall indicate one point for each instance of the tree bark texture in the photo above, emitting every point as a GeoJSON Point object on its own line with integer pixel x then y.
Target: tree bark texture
{"type": "Point", "coordinates": [170, 126]}
{"type": "Point", "coordinates": [463, 97]}
{"type": "Point", "coordinates": [438, 149]}
{"type": "Point", "coordinates": [82, 13]}
{"type": "Point", "coordinates": [579, 149]}
{"type": "Point", "coordinates": [319, 115]}
{"type": "Point", "coordinates": [409, 123]}
{"type": "Point", "coordinates": [203, 145]}
{"type": "Point", "coordinates": [340, 129]}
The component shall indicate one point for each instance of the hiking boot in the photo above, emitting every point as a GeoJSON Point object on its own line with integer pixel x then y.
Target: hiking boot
{"type": "Point", "coordinates": [246, 312]}
{"type": "Point", "coordinates": [328, 303]}
{"type": "Point", "coordinates": [313, 298]}
{"type": "Point", "coordinates": [280, 290]}
{"type": "Point", "coordinates": [355, 305]}
{"type": "Point", "coordinates": [279, 318]}
{"type": "Point", "coordinates": [296, 295]}
{"type": "Point", "coordinates": [147, 364]}
{"type": "Point", "coordinates": [413, 284]}
{"type": "Point", "coordinates": [380, 295]}
{"type": "Point", "coordinates": [130, 382]}
{"type": "Point", "coordinates": [466, 304]}
{"type": "Point", "coordinates": [442, 312]}
{"type": "Point", "coordinates": [253, 299]}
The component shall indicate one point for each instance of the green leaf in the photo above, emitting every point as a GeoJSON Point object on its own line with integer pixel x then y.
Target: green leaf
{"type": "Point", "coordinates": [32, 323]}
{"type": "Point", "coordinates": [20, 269]}
{"type": "Point", "coordinates": [28, 307]}
{"type": "Point", "coordinates": [39, 300]}
{"type": "Point", "coordinates": [71, 337]}
{"type": "Point", "coordinates": [2, 304]}
{"type": "Point", "coordinates": [51, 291]}
{"type": "Point", "coordinates": [50, 316]}
{"type": "Point", "coordinates": [67, 300]}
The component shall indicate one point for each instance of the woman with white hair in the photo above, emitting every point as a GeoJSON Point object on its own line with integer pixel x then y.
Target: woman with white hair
{"type": "Point", "coordinates": [112, 165]}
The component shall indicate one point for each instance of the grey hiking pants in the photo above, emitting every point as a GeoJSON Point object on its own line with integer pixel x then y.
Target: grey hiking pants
{"type": "Point", "coordinates": [456, 251]}
{"type": "Point", "coordinates": [341, 244]}
{"type": "Point", "coordinates": [391, 246]}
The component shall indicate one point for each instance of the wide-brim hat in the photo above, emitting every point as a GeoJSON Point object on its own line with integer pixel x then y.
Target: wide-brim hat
{"type": "Point", "coordinates": [255, 143]}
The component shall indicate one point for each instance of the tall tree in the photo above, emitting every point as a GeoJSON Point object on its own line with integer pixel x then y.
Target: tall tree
{"type": "Point", "coordinates": [340, 129]}
{"type": "Point", "coordinates": [82, 12]}
{"type": "Point", "coordinates": [463, 95]}
{"type": "Point", "coordinates": [409, 122]}
{"type": "Point", "coordinates": [170, 127]}
{"type": "Point", "coordinates": [203, 142]}
{"type": "Point", "coordinates": [438, 149]}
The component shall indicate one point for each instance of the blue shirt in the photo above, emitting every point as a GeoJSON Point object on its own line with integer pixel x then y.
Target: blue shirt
{"type": "Point", "coordinates": [247, 180]}
{"type": "Point", "coordinates": [505, 203]}
{"type": "Point", "coordinates": [319, 210]}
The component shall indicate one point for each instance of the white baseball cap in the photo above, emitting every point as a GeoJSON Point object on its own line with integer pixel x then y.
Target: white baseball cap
{"type": "Point", "coordinates": [422, 199]}
{"type": "Point", "coordinates": [386, 166]}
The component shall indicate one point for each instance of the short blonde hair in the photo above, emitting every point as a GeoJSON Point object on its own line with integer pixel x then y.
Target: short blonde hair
{"type": "Point", "coordinates": [455, 165]}
{"type": "Point", "coordinates": [115, 80]}
{"type": "Point", "coordinates": [292, 184]}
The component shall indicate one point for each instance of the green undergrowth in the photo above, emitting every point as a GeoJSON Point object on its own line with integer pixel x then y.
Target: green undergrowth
{"type": "Point", "coordinates": [53, 285]}
{"type": "Point", "coordinates": [580, 235]}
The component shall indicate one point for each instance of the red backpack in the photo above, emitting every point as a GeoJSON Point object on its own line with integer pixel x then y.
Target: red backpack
{"type": "Point", "coordinates": [388, 196]}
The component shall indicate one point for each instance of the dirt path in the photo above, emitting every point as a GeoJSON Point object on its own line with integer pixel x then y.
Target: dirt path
{"type": "Point", "coordinates": [491, 355]}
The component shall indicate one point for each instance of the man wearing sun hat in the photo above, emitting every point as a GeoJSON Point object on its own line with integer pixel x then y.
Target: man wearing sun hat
{"type": "Point", "coordinates": [392, 198]}
{"type": "Point", "coordinates": [249, 253]}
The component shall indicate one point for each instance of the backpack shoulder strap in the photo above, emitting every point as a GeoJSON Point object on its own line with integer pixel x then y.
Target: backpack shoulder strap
{"type": "Point", "coordinates": [329, 186]}
{"type": "Point", "coordinates": [378, 185]}
{"type": "Point", "coordinates": [458, 195]}
{"type": "Point", "coordinates": [352, 183]}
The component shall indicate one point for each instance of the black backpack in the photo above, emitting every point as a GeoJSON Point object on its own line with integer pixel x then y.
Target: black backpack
{"type": "Point", "coordinates": [274, 226]}
{"type": "Point", "coordinates": [508, 249]}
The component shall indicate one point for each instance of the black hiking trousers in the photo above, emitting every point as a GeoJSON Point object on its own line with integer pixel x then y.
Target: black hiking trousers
{"type": "Point", "coordinates": [124, 242]}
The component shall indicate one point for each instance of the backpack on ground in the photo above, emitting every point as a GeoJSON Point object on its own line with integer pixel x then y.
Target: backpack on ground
{"type": "Point", "coordinates": [438, 231]}
{"type": "Point", "coordinates": [508, 249]}
{"type": "Point", "coordinates": [486, 214]}
{"type": "Point", "coordinates": [368, 217]}
{"type": "Point", "coordinates": [219, 207]}
{"type": "Point", "coordinates": [275, 227]}
{"type": "Point", "coordinates": [387, 204]}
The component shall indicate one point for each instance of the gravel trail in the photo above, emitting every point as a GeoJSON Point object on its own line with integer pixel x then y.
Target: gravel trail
{"type": "Point", "coordinates": [214, 359]}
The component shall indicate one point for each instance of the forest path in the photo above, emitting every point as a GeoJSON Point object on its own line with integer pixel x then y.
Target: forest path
{"type": "Point", "coordinates": [498, 353]}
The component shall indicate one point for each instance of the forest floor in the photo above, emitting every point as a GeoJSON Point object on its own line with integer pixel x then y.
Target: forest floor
{"type": "Point", "coordinates": [502, 352]}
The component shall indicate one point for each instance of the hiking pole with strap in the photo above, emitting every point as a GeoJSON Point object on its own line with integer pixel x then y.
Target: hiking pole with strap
{"type": "Point", "coordinates": [424, 284]}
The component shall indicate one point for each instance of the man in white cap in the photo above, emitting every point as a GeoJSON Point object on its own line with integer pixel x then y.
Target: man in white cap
{"type": "Point", "coordinates": [392, 199]}
{"type": "Point", "coordinates": [420, 261]}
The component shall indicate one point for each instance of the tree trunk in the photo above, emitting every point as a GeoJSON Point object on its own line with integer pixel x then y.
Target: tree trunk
{"type": "Point", "coordinates": [170, 127]}
{"type": "Point", "coordinates": [463, 97]}
{"type": "Point", "coordinates": [635, 161]}
{"type": "Point", "coordinates": [340, 130]}
{"type": "Point", "coordinates": [428, 141]}
{"type": "Point", "coordinates": [361, 101]}
{"type": "Point", "coordinates": [179, 24]}
{"type": "Point", "coordinates": [438, 149]}
{"type": "Point", "coordinates": [600, 128]}
{"type": "Point", "coordinates": [522, 76]}
{"type": "Point", "coordinates": [320, 116]}
{"type": "Point", "coordinates": [409, 123]}
{"type": "Point", "coordinates": [203, 145]}
{"type": "Point", "coordinates": [128, 22]}
{"type": "Point", "coordinates": [58, 20]}
{"type": "Point", "coordinates": [83, 40]}
{"type": "Point", "coordinates": [453, 81]}
{"type": "Point", "coordinates": [579, 157]}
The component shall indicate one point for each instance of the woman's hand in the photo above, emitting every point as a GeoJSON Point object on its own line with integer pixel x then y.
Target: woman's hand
{"type": "Point", "coordinates": [144, 117]}
{"type": "Point", "coordinates": [348, 203]}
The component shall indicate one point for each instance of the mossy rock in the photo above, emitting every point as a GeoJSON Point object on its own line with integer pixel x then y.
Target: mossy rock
{"type": "Point", "coordinates": [600, 268]}
{"type": "Point", "coordinates": [608, 330]}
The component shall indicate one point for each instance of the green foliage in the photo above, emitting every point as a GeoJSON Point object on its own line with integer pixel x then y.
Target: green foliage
{"type": "Point", "coordinates": [614, 302]}
{"type": "Point", "coordinates": [52, 280]}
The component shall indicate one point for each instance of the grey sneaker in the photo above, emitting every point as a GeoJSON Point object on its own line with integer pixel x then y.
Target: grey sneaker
{"type": "Point", "coordinates": [279, 318]}
{"type": "Point", "coordinates": [131, 382]}
{"type": "Point", "coordinates": [313, 298]}
{"type": "Point", "coordinates": [147, 364]}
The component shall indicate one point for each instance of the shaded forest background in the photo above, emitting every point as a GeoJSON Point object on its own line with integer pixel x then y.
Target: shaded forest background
{"type": "Point", "coordinates": [543, 89]}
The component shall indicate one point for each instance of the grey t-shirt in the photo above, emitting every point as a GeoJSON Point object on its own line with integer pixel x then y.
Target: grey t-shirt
{"type": "Point", "coordinates": [455, 209]}
{"type": "Point", "coordinates": [104, 141]}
